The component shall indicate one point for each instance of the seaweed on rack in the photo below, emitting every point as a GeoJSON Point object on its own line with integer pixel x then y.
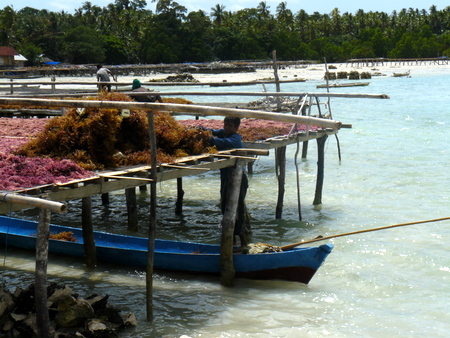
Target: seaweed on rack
{"type": "Point", "coordinates": [99, 138]}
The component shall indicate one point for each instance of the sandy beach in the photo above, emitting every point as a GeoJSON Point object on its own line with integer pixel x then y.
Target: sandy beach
{"type": "Point", "coordinates": [313, 72]}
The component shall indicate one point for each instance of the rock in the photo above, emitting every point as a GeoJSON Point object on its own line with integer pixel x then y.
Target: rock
{"type": "Point", "coordinates": [129, 319]}
{"type": "Point", "coordinates": [71, 315]}
{"type": "Point", "coordinates": [73, 312]}
{"type": "Point", "coordinates": [6, 302]}
{"type": "Point", "coordinates": [58, 294]}
{"type": "Point", "coordinates": [99, 329]}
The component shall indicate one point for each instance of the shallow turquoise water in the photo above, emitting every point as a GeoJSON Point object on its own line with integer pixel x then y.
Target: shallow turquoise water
{"type": "Point", "coordinates": [385, 283]}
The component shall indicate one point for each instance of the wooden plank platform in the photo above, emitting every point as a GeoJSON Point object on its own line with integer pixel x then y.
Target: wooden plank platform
{"type": "Point", "coordinates": [135, 176]}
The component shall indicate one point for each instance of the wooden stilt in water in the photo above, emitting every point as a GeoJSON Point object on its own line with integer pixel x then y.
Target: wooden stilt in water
{"type": "Point", "coordinates": [90, 254]}
{"type": "Point", "coordinates": [180, 194]}
{"type": "Point", "coordinates": [280, 165]}
{"type": "Point", "coordinates": [299, 205]}
{"type": "Point", "coordinates": [40, 286]}
{"type": "Point", "coordinates": [250, 168]}
{"type": "Point", "coordinates": [227, 273]}
{"type": "Point", "coordinates": [130, 194]}
{"type": "Point", "coordinates": [305, 149]}
{"type": "Point", "coordinates": [142, 188]}
{"type": "Point", "coordinates": [320, 169]}
{"type": "Point", "coordinates": [152, 225]}
{"type": "Point", "coordinates": [105, 197]}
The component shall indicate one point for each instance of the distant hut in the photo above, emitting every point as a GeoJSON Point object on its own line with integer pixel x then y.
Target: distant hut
{"type": "Point", "coordinates": [7, 57]}
{"type": "Point", "coordinates": [19, 60]}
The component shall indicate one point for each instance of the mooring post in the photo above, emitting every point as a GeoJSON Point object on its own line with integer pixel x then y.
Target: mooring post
{"type": "Point", "coordinates": [90, 254]}
{"type": "Point", "coordinates": [320, 169]}
{"type": "Point", "coordinates": [130, 195]}
{"type": "Point", "coordinates": [40, 287]}
{"type": "Point", "coordinates": [180, 195]}
{"type": "Point", "coordinates": [227, 272]}
{"type": "Point", "coordinates": [280, 158]}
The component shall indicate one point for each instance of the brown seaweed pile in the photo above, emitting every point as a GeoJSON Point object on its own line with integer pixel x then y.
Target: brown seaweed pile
{"type": "Point", "coordinates": [100, 138]}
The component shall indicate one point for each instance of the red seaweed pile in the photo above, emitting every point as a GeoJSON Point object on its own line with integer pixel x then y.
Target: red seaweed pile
{"type": "Point", "coordinates": [19, 172]}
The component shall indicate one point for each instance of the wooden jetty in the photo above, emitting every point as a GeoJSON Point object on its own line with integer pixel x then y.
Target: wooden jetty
{"type": "Point", "coordinates": [373, 62]}
{"type": "Point", "coordinates": [130, 178]}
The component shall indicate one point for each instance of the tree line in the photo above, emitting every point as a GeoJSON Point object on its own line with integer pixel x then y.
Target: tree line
{"type": "Point", "coordinates": [126, 32]}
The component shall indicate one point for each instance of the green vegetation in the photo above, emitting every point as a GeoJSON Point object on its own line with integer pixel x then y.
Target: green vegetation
{"type": "Point", "coordinates": [126, 32]}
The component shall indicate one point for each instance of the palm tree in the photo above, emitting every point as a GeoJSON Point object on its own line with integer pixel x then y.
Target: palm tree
{"type": "Point", "coordinates": [218, 14]}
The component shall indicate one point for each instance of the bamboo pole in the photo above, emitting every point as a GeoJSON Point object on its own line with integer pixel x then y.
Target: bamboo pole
{"type": "Point", "coordinates": [185, 108]}
{"type": "Point", "coordinates": [291, 246]}
{"type": "Point", "coordinates": [33, 202]}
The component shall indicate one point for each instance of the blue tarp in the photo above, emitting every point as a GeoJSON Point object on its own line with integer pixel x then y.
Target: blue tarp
{"type": "Point", "coordinates": [51, 63]}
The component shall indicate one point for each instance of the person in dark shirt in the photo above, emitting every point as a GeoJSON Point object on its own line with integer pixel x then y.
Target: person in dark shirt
{"type": "Point", "coordinates": [137, 87]}
{"type": "Point", "coordinates": [223, 139]}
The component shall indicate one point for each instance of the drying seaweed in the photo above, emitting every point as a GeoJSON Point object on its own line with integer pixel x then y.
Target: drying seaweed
{"type": "Point", "coordinates": [64, 236]}
{"type": "Point", "coordinates": [102, 138]}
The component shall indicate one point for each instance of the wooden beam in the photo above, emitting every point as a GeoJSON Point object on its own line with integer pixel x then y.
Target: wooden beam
{"type": "Point", "coordinates": [186, 108]}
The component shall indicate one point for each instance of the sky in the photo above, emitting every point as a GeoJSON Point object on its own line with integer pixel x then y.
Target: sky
{"type": "Point", "coordinates": [321, 6]}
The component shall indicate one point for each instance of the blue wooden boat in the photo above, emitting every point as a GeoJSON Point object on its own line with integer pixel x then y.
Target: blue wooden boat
{"type": "Point", "coordinates": [299, 264]}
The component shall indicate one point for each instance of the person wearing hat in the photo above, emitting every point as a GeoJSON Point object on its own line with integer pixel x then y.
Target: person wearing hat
{"type": "Point", "coordinates": [137, 87]}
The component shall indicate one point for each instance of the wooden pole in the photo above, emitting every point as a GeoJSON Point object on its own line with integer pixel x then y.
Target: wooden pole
{"type": "Point", "coordinates": [299, 205]}
{"type": "Point", "coordinates": [280, 158]}
{"type": "Point", "coordinates": [90, 254]}
{"type": "Point", "coordinates": [180, 195]}
{"type": "Point", "coordinates": [277, 79]}
{"type": "Point", "coordinates": [227, 272]}
{"type": "Point", "coordinates": [305, 149]}
{"type": "Point", "coordinates": [40, 288]}
{"type": "Point", "coordinates": [105, 196]}
{"type": "Point", "coordinates": [320, 169]}
{"type": "Point", "coordinates": [185, 108]}
{"type": "Point", "coordinates": [130, 195]}
{"type": "Point", "coordinates": [152, 225]}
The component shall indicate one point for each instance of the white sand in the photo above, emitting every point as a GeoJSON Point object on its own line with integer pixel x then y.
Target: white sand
{"type": "Point", "coordinates": [315, 72]}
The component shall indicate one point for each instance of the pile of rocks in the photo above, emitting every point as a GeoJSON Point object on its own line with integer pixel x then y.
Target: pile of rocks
{"type": "Point", "coordinates": [70, 315]}
{"type": "Point", "coordinates": [181, 77]}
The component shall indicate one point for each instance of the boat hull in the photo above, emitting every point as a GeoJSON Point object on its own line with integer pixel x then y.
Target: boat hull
{"type": "Point", "coordinates": [298, 265]}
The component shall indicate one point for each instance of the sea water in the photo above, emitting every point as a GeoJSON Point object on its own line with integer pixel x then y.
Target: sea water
{"type": "Point", "coordinates": [389, 283]}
